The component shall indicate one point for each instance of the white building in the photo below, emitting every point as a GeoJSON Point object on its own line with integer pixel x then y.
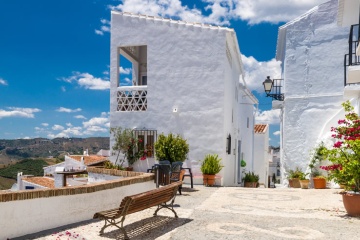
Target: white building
{"type": "Point", "coordinates": [312, 49]}
{"type": "Point", "coordinates": [187, 79]}
{"type": "Point", "coordinates": [274, 164]}
{"type": "Point", "coordinates": [261, 153]}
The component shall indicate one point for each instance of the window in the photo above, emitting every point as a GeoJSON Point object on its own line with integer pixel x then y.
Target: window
{"type": "Point", "coordinates": [147, 140]}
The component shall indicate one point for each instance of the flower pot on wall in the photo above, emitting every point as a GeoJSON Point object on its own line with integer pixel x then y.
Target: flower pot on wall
{"type": "Point", "coordinates": [352, 204]}
{"type": "Point", "coordinates": [209, 180]}
{"type": "Point", "coordinates": [250, 184]}
{"type": "Point", "coordinates": [294, 183]}
{"type": "Point", "coordinates": [319, 183]}
{"type": "Point", "coordinates": [304, 183]}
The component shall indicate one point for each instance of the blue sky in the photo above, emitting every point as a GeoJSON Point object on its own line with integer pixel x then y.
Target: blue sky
{"type": "Point", "coordinates": [54, 57]}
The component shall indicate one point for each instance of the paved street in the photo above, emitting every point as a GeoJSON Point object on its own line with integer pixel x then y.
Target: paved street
{"type": "Point", "coordinates": [232, 213]}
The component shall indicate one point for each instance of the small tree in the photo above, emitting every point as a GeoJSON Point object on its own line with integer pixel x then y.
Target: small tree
{"type": "Point", "coordinates": [126, 143]}
{"type": "Point", "coordinates": [171, 147]}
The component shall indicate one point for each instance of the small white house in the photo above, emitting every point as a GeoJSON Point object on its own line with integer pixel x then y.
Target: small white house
{"type": "Point", "coordinates": [186, 78]}
{"type": "Point", "coordinates": [261, 153]}
{"type": "Point", "coordinates": [311, 48]}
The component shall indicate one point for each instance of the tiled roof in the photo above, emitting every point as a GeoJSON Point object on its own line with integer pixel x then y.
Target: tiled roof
{"type": "Point", "coordinates": [156, 18]}
{"type": "Point", "coordinates": [43, 181]}
{"type": "Point", "coordinates": [89, 160]}
{"type": "Point", "coordinates": [260, 128]}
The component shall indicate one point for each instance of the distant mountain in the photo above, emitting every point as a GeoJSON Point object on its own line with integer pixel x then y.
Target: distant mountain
{"type": "Point", "coordinates": [17, 149]}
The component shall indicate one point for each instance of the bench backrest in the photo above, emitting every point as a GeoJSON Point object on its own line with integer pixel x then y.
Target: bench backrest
{"type": "Point", "coordinates": [141, 201]}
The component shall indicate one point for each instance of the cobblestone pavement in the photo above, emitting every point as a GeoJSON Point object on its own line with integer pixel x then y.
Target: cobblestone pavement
{"type": "Point", "coordinates": [231, 213]}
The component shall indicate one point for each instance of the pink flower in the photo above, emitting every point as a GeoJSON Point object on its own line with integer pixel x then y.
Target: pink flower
{"type": "Point", "coordinates": [337, 144]}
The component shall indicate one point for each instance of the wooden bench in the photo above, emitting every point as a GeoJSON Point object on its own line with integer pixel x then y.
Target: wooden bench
{"type": "Point", "coordinates": [131, 204]}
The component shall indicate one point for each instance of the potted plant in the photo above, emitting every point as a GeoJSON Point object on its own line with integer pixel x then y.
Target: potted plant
{"type": "Point", "coordinates": [210, 166]}
{"type": "Point", "coordinates": [126, 142]}
{"type": "Point", "coordinates": [344, 157]}
{"type": "Point", "coordinates": [251, 180]}
{"type": "Point", "coordinates": [172, 148]}
{"type": "Point", "coordinates": [294, 177]}
{"type": "Point", "coordinates": [318, 156]}
{"type": "Point", "coordinates": [304, 181]}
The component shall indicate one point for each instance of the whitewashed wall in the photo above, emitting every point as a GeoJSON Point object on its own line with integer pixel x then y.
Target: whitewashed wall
{"type": "Point", "coordinates": [261, 156]}
{"type": "Point", "coordinates": [23, 217]}
{"type": "Point", "coordinates": [97, 177]}
{"type": "Point", "coordinates": [185, 70]}
{"type": "Point", "coordinates": [314, 81]}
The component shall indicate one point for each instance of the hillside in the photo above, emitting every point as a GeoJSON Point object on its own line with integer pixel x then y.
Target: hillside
{"type": "Point", "coordinates": [12, 151]}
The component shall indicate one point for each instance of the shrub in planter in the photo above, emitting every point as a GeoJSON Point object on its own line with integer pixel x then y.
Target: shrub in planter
{"type": "Point", "coordinates": [210, 166]}
{"type": "Point", "coordinates": [251, 179]}
{"type": "Point", "coordinates": [171, 147]}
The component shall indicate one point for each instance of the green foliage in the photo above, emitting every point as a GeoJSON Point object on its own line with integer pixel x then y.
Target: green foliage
{"type": "Point", "coordinates": [171, 147]}
{"type": "Point", "coordinates": [297, 173]}
{"type": "Point", "coordinates": [27, 166]}
{"type": "Point", "coordinates": [211, 164]}
{"type": "Point", "coordinates": [110, 165]}
{"type": "Point", "coordinates": [345, 153]}
{"type": "Point", "coordinates": [317, 156]}
{"type": "Point", "coordinates": [251, 177]}
{"type": "Point", "coordinates": [126, 143]}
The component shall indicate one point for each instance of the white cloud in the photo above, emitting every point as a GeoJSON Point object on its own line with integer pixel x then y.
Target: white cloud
{"type": "Point", "coordinates": [257, 11]}
{"type": "Point", "coordinates": [69, 125]}
{"type": "Point", "coordinates": [268, 117]}
{"type": "Point", "coordinates": [276, 133]}
{"type": "Point", "coordinates": [45, 124]}
{"type": "Point", "coordinates": [3, 82]}
{"type": "Point", "coordinates": [69, 132]}
{"type": "Point", "coordinates": [63, 89]}
{"type": "Point", "coordinates": [98, 32]}
{"type": "Point", "coordinates": [57, 127]}
{"type": "Point", "coordinates": [125, 70]}
{"type": "Point", "coordinates": [256, 72]}
{"type": "Point", "coordinates": [80, 117]}
{"type": "Point", "coordinates": [68, 110]}
{"type": "Point", "coordinates": [96, 121]}
{"type": "Point", "coordinates": [218, 12]}
{"type": "Point", "coordinates": [19, 112]}
{"type": "Point", "coordinates": [87, 81]}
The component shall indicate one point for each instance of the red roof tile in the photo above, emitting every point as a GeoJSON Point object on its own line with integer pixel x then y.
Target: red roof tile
{"type": "Point", "coordinates": [42, 181]}
{"type": "Point", "coordinates": [89, 160]}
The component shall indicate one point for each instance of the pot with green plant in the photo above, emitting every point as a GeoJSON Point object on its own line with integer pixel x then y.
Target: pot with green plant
{"type": "Point", "coordinates": [318, 156]}
{"type": "Point", "coordinates": [171, 147]}
{"type": "Point", "coordinates": [210, 166]}
{"type": "Point", "coordinates": [125, 144]}
{"type": "Point", "coordinates": [251, 180]}
{"type": "Point", "coordinates": [294, 177]}
{"type": "Point", "coordinates": [344, 156]}
{"type": "Point", "coordinates": [304, 181]}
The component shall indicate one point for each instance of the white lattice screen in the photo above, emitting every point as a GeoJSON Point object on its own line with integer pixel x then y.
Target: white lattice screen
{"type": "Point", "coordinates": [132, 100]}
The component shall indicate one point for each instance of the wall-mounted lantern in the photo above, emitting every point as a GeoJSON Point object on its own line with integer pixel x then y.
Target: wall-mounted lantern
{"type": "Point", "coordinates": [273, 86]}
{"type": "Point", "coordinates": [228, 144]}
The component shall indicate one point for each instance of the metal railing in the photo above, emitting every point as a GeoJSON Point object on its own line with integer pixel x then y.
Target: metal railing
{"type": "Point", "coordinates": [276, 90]}
{"type": "Point", "coordinates": [351, 59]}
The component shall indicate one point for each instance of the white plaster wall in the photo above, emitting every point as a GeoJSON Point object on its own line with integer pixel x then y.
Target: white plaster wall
{"type": "Point", "coordinates": [23, 217]}
{"type": "Point", "coordinates": [261, 156]}
{"type": "Point", "coordinates": [97, 177]}
{"type": "Point", "coordinates": [314, 82]}
{"type": "Point", "coordinates": [51, 169]}
{"type": "Point", "coordinates": [185, 70]}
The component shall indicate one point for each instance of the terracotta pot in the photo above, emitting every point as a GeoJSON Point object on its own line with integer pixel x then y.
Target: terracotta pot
{"type": "Point", "coordinates": [304, 183]}
{"type": "Point", "coordinates": [319, 183]}
{"type": "Point", "coordinates": [296, 183]}
{"type": "Point", "coordinates": [208, 180]}
{"type": "Point", "coordinates": [250, 184]}
{"type": "Point", "coordinates": [291, 183]}
{"type": "Point", "coordinates": [352, 204]}
{"type": "Point", "coordinates": [129, 168]}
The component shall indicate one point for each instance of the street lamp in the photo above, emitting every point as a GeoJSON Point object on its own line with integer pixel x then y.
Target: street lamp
{"type": "Point", "coordinates": [275, 87]}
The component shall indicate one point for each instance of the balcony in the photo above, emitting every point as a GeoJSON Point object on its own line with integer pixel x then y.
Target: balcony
{"type": "Point", "coordinates": [132, 98]}
{"type": "Point", "coordinates": [352, 59]}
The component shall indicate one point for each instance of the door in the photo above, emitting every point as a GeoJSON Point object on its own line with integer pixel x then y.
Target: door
{"type": "Point", "coordinates": [239, 162]}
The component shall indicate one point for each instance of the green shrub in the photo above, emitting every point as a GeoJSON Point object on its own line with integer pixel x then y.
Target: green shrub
{"type": "Point", "coordinates": [251, 177]}
{"type": "Point", "coordinates": [211, 164]}
{"type": "Point", "coordinates": [172, 148]}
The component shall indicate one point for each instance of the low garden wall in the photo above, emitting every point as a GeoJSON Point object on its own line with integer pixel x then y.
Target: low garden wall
{"type": "Point", "coordinates": [30, 211]}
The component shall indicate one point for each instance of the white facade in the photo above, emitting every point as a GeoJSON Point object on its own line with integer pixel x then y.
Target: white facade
{"type": "Point", "coordinates": [312, 49]}
{"type": "Point", "coordinates": [193, 87]}
{"type": "Point", "coordinates": [261, 155]}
